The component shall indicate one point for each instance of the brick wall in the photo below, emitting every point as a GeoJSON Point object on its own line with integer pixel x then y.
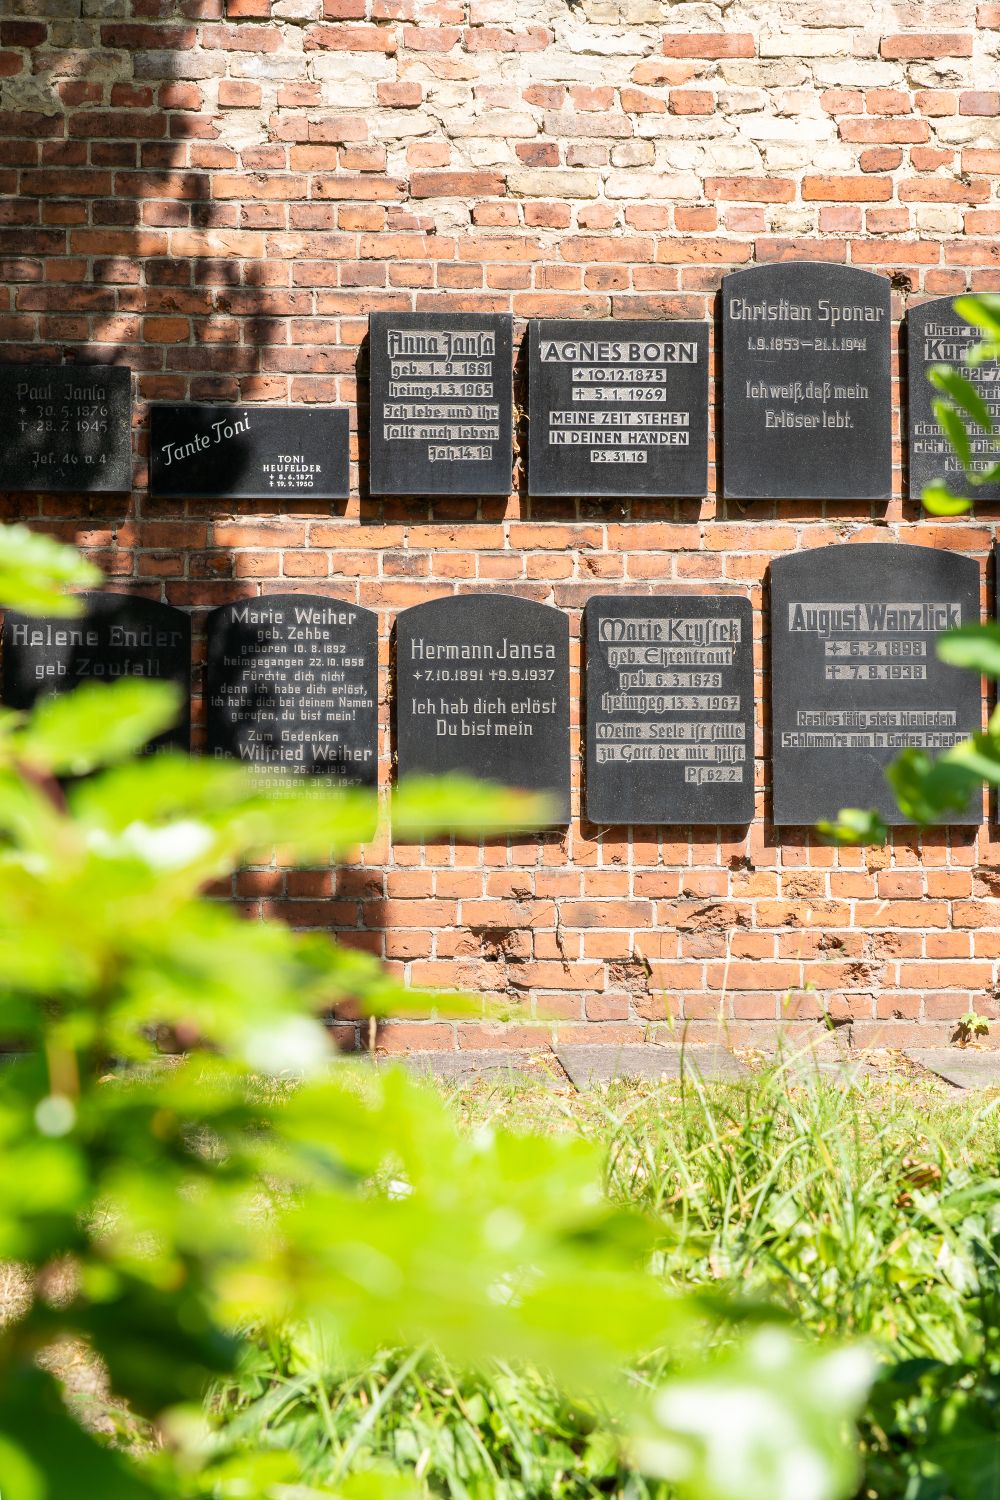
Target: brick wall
{"type": "Point", "coordinates": [220, 198]}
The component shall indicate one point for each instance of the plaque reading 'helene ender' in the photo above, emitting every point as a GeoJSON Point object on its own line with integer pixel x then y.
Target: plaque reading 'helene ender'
{"type": "Point", "coordinates": [482, 687]}
{"type": "Point", "coordinates": [292, 685]}
{"type": "Point", "coordinates": [117, 635]}
{"type": "Point", "coordinates": [669, 709]}
{"type": "Point", "coordinates": [937, 335]}
{"type": "Point", "coordinates": [66, 428]}
{"type": "Point", "coordinates": [441, 403]}
{"type": "Point", "coordinates": [249, 452]}
{"type": "Point", "coordinates": [855, 677]}
{"type": "Point", "coordinates": [807, 393]}
{"type": "Point", "coordinates": [618, 408]}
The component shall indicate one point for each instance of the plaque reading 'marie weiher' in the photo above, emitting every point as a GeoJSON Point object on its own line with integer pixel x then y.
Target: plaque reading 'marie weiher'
{"type": "Point", "coordinates": [66, 428]}
{"type": "Point", "coordinates": [249, 452]}
{"type": "Point", "coordinates": [937, 335]}
{"type": "Point", "coordinates": [855, 677]}
{"type": "Point", "coordinates": [807, 395]}
{"type": "Point", "coordinates": [670, 709]}
{"type": "Point", "coordinates": [482, 687]}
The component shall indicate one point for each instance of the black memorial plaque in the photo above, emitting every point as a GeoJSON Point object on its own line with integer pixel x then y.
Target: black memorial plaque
{"type": "Point", "coordinates": [291, 685]}
{"type": "Point", "coordinates": [618, 408]}
{"type": "Point", "coordinates": [855, 677]}
{"type": "Point", "coordinates": [937, 335]}
{"type": "Point", "coordinates": [250, 452]}
{"type": "Point", "coordinates": [441, 403]}
{"type": "Point", "coordinates": [670, 709]}
{"type": "Point", "coordinates": [482, 687]}
{"type": "Point", "coordinates": [117, 635]}
{"type": "Point", "coordinates": [66, 428]}
{"type": "Point", "coordinates": [807, 391]}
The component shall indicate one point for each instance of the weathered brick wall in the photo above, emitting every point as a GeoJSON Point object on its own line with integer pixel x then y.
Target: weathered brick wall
{"type": "Point", "coordinates": [220, 199]}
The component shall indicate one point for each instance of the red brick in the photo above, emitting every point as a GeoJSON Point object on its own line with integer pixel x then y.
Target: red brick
{"type": "Point", "coordinates": [926, 45]}
{"type": "Point", "coordinates": [981, 102]}
{"type": "Point", "coordinates": [456, 184]}
{"type": "Point", "coordinates": [709, 44]}
{"type": "Point", "coordinates": [847, 189]}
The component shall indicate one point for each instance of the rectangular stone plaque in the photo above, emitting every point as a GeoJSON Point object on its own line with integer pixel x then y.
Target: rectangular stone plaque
{"type": "Point", "coordinates": [249, 452]}
{"type": "Point", "coordinates": [617, 408]}
{"type": "Point", "coordinates": [441, 403]}
{"type": "Point", "coordinates": [291, 685]}
{"type": "Point", "coordinates": [807, 387]}
{"type": "Point", "coordinates": [937, 335]}
{"type": "Point", "coordinates": [855, 678]}
{"type": "Point", "coordinates": [118, 635]}
{"type": "Point", "coordinates": [66, 428]}
{"type": "Point", "coordinates": [482, 687]}
{"type": "Point", "coordinates": [670, 709]}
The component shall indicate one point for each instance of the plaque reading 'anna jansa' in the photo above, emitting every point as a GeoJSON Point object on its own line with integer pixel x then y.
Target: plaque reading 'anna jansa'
{"type": "Point", "coordinates": [66, 428]}
{"type": "Point", "coordinates": [937, 335]}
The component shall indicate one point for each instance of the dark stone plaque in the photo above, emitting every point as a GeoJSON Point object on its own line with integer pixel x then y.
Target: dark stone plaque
{"type": "Point", "coordinates": [66, 428]}
{"type": "Point", "coordinates": [618, 408]}
{"type": "Point", "coordinates": [807, 395]}
{"type": "Point", "coordinates": [482, 687]}
{"type": "Point", "coordinates": [291, 684]}
{"type": "Point", "coordinates": [937, 335]}
{"type": "Point", "coordinates": [118, 635]}
{"type": "Point", "coordinates": [441, 403]}
{"type": "Point", "coordinates": [855, 678]}
{"type": "Point", "coordinates": [669, 709]}
{"type": "Point", "coordinates": [250, 452]}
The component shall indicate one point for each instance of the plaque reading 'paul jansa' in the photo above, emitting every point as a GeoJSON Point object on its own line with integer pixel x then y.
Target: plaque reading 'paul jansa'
{"type": "Point", "coordinates": [66, 428]}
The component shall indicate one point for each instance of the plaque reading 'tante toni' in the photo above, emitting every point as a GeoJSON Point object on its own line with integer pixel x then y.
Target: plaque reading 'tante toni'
{"type": "Point", "coordinates": [482, 687]}
{"type": "Point", "coordinates": [806, 401]}
{"type": "Point", "coordinates": [66, 428]}
{"type": "Point", "coordinates": [937, 335]}
{"type": "Point", "coordinates": [250, 452]}
{"type": "Point", "coordinates": [669, 709]}
{"type": "Point", "coordinates": [855, 677]}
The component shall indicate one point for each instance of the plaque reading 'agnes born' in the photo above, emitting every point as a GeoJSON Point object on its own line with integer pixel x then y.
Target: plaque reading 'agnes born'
{"type": "Point", "coordinates": [292, 685]}
{"type": "Point", "coordinates": [250, 452]}
{"type": "Point", "coordinates": [855, 677]}
{"type": "Point", "coordinates": [441, 403]}
{"type": "Point", "coordinates": [807, 394]}
{"type": "Point", "coordinates": [66, 428]}
{"type": "Point", "coordinates": [482, 687]}
{"type": "Point", "coordinates": [669, 709]}
{"type": "Point", "coordinates": [117, 635]}
{"type": "Point", "coordinates": [618, 408]}
{"type": "Point", "coordinates": [937, 335]}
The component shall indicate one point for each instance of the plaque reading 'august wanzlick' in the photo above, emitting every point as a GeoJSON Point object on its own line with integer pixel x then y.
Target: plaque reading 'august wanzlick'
{"type": "Point", "coordinates": [618, 408]}
{"type": "Point", "coordinates": [291, 685]}
{"type": "Point", "coordinates": [66, 428]}
{"type": "Point", "coordinates": [669, 709]}
{"type": "Point", "coordinates": [937, 335]}
{"type": "Point", "coordinates": [250, 452]}
{"type": "Point", "coordinates": [117, 635]}
{"type": "Point", "coordinates": [482, 687]}
{"type": "Point", "coordinates": [855, 678]}
{"type": "Point", "coordinates": [807, 394]}
{"type": "Point", "coordinates": [441, 403]}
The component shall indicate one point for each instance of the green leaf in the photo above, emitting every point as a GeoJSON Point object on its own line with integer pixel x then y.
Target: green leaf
{"type": "Point", "coordinates": [939, 500]}
{"type": "Point", "coordinates": [853, 826]}
{"type": "Point", "coordinates": [36, 573]}
{"type": "Point", "coordinates": [972, 646]}
{"type": "Point", "coordinates": [981, 310]}
{"type": "Point", "coordinates": [954, 429]}
{"type": "Point", "coordinates": [928, 790]}
{"type": "Point", "coordinates": [963, 394]}
{"type": "Point", "coordinates": [73, 733]}
{"type": "Point", "coordinates": [423, 806]}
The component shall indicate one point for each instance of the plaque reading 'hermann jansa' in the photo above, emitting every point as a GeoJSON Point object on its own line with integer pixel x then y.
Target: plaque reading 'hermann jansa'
{"type": "Point", "coordinates": [66, 428]}
{"type": "Point", "coordinates": [482, 687]}
{"type": "Point", "coordinates": [807, 395]}
{"type": "Point", "coordinates": [937, 335]}
{"type": "Point", "coordinates": [669, 709]}
{"type": "Point", "coordinates": [249, 452]}
{"type": "Point", "coordinates": [855, 677]}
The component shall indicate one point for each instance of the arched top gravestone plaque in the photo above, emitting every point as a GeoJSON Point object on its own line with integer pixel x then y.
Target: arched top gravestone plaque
{"type": "Point", "coordinates": [937, 335]}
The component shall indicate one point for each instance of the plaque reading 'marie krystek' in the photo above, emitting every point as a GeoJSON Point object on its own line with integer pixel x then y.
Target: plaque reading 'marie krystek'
{"type": "Point", "coordinates": [807, 395]}
{"type": "Point", "coordinates": [482, 688]}
{"type": "Point", "coordinates": [441, 403]}
{"type": "Point", "coordinates": [291, 685]}
{"type": "Point", "coordinates": [855, 678]}
{"type": "Point", "coordinates": [66, 428]}
{"type": "Point", "coordinates": [670, 709]}
{"type": "Point", "coordinates": [249, 452]}
{"type": "Point", "coordinates": [937, 335]}
{"type": "Point", "coordinates": [117, 635]}
{"type": "Point", "coordinates": [618, 408]}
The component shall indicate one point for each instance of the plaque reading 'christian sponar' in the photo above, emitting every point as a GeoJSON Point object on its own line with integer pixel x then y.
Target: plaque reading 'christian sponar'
{"type": "Point", "coordinates": [291, 685]}
{"type": "Point", "coordinates": [441, 403]}
{"type": "Point", "coordinates": [117, 635]}
{"type": "Point", "coordinates": [618, 408]}
{"type": "Point", "coordinates": [482, 687]}
{"type": "Point", "coordinates": [669, 710]}
{"type": "Point", "coordinates": [937, 335]}
{"type": "Point", "coordinates": [807, 395]}
{"type": "Point", "coordinates": [855, 677]}
{"type": "Point", "coordinates": [66, 428]}
{"type": "Point", "coordinates": [249, 452]}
